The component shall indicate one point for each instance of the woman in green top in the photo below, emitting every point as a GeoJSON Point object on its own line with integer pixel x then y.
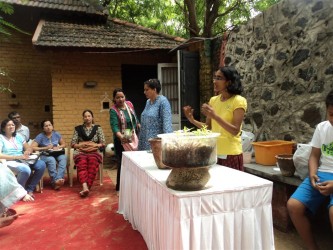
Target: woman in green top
{"type": "Point", "coordinates": [122, 117]}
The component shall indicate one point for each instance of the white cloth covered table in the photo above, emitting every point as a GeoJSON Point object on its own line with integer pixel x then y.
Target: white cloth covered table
{"type": "Point", "coordinates": [233, 213]}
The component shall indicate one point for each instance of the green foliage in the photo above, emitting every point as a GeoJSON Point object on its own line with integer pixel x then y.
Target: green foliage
{"type": "Point", "coordinates": [5, 30]}
{"type": "Point", "coordinates": [5, 81]}
{"type": "Point", "coordinates": [199, 132]}
{"type": "Point", "coordinates": [176, 17]}
{"type": "Point", "coordinates": [6, 8]}
{"type": "Point", "coordinates": [6, 27]}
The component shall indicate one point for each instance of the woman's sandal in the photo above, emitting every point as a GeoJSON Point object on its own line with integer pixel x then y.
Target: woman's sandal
{"type": "Point", "coordinates": [31, 194]}
{"type": "Point", "coordinates": [28, 197]}
{"type": "Point", "coordinates": [6, 221]}
{"type": "Point", "coordinates": [58, 183]}
{"type": "Point", "coordinates": [84, 193]}
{"type": "Point", "coordinates": [8, 212]}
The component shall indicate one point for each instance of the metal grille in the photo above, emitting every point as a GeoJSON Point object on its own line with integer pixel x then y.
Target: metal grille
{"type": "Point", "coordinates": [169, 82]}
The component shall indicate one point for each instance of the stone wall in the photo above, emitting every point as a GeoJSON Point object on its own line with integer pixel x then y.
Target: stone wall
{"type": "Point", "coordinates": [285, 58]}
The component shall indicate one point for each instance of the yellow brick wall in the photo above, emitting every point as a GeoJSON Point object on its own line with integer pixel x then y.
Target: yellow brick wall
{"type": "Point", "coordinates": [55, 78]}
{"type": "Point", "coordinates": [30, 69]}
{"type": "Point", "coordinates": [70, 97]}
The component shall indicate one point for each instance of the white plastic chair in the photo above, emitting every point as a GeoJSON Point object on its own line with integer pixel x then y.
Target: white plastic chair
{"type": "Point", "coordinates": [72, 164]}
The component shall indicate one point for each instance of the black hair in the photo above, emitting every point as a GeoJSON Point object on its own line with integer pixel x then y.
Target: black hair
{"type": "Point", "coordinates": [3, 125]}
{"type": "Point", "coordinates": [154, 84]}
{"type": "Point", "coordinates": [43, 123]}
{"type": "Point", "coordinates": [115, 91]}
{"type": "Point", "coordinates": [329, 99]}
{"type": "Point", "coordinates": [235, 87]}
{"type": "Point", "coordinates": [11, 114]}
{"type": "Point", "coordinates": [89, 111]}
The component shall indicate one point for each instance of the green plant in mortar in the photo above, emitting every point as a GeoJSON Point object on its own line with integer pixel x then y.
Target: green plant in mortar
{"type": "Point", "coordinates": [189, 148]}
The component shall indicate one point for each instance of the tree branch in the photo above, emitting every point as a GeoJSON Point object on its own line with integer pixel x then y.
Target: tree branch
{"type": "Point", "coordinates": [192, 18]}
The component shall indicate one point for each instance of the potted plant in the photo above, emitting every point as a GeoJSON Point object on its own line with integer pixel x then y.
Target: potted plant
{"type": "Point", "coordinates": [189, 154]}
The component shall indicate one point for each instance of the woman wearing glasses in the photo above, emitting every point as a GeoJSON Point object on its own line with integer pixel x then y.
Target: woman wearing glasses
{"type": "Point", "coordinates": [16, 151]}
{"type": "Point", "coordinates": [224, 114]}
{"type": "Point", "coordinates": [156, 118]}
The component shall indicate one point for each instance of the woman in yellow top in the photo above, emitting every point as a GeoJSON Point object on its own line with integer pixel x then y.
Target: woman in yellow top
{"type": "Point", "coordinates": [224, 114]}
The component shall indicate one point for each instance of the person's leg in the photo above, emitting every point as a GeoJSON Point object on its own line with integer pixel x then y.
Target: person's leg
{"type": "Point", "coordinates": [297, 212]}
{"type": "Point", "coordinates": [306, 199]}
{"type": "Point", "coordinates": [51, 165]}
{"type": "Point", "coordinates": [39, 168]}
{"type": "Point", "coordinates": [119, 152]}
{"type": "Point", "coordinates": [93, 165]}
{"type": "Point", "coordinates": [22, 173]}
{"type": "Point", "coordinates": [330, 211]}
{"type": "Point", "coordinates": [119, 158]}
{"type": "Point", "coordinates": [81, 163]}
{"type": "Point", "coordinates": [62, 164]}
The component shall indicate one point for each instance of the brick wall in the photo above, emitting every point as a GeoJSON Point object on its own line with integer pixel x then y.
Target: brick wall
{"type": "Point", "coordinates": [30, 69]}
{"type": "Point", "coordinates": [70, 97]}
{"type": "Point", "coordinates": [44, 77]}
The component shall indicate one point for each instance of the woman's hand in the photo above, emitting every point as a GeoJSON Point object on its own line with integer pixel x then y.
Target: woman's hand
{"type": "Point", "coordinates": [123, 140]}
{"type": "Point", "coordinates": [27, 152]}
{"type": "Point", "coordinates": [208, 111]}
{"type": "Point", "coordinates": [188, 112]}
{"type": "Point", "coordinates": [88, 146]}
{"type": "Point", "coordinates": [22, 157]}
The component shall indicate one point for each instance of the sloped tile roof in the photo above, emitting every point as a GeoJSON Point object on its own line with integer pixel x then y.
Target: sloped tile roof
{"type": "Point", "coordinates": [115, 34]}
{"type": "Point", "coordinates": [65, 5]}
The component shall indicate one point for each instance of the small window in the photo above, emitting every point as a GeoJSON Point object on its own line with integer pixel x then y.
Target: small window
{"type": "Point", "coordinates": [106, 105]}
{"type": "Point", "coordinates": [106, 102]}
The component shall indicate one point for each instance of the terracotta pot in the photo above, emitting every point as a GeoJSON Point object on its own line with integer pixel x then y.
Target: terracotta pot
{"type": "Point", "coordinates": [286, 164]}
{"type": "Point", "coordinates": [156, 148]}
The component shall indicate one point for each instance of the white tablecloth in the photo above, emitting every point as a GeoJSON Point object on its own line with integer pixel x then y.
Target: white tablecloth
{"type": "Point", "coordinates": [233, 213]}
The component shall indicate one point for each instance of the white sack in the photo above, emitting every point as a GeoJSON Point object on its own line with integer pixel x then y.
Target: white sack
{"type": "Point", "coordinates": [301, 160]}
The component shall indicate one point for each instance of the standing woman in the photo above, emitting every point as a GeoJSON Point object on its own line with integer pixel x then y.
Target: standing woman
{"type": "Point", "coordinates": [14, 148]}
{"type": "Point", "coordinates": [88, 140]}
{"type": "Point", "coordinates": [122, 116]}
{"type": "Point", "coordinates": [156, 118]}
{"type": "Point", "coordinates": [50, 139]}
{"type": "Point", "coordinates": [225, 114]}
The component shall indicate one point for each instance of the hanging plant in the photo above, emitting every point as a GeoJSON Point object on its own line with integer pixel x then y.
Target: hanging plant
{"type": "Point", "coordinates": [5, 81]}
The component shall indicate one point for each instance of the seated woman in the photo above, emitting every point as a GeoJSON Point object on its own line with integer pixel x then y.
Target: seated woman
{"type": "Point", "coordinates": [15, 150]}
{"type": "Point", "coordinates": [50, 139]}
{"type": "Point", "coordinates": [88, 139]}
{"type": "Point", "coordinates": [10, 193]}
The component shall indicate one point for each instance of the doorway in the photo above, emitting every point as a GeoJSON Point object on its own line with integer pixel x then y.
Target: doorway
{"type": "Point", "coordinates": [133, 77]}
